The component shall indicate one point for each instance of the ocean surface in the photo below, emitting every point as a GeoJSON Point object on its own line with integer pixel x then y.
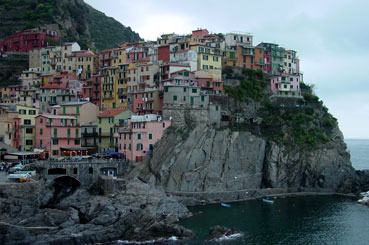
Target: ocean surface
{"type": "Point", "coordinates": [297, 220]}
{"type": "Point", "coordinates": [293, 220]}
{"type": "Point", "coordinates": [359, 150]}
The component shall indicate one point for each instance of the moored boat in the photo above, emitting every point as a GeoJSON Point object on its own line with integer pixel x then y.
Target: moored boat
{"type": "Point", "coordinates": [225, 205]}
{"type": "Point", "coordinates": [267, 200]}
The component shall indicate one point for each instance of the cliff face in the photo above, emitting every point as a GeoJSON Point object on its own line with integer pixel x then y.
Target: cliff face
{"type": "Point", "coordinates": [211, 160]}
{"type": "Point", "coordinates": [281, 143]}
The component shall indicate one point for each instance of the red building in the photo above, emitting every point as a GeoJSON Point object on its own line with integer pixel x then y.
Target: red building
{"type": "Point", "coordinates": [164, 53]}
{"type": "Point", "coordinates": [28, 40]}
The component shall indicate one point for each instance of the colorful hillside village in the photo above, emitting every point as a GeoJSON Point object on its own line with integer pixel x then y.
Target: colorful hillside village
{"type": "Point", "coordinates": [77, 102]}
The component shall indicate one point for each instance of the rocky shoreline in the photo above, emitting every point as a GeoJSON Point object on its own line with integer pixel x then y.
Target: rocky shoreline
{"type": "Point", "coordinates": [138, 212]}
{"type": "Point", "coordinates": [135, 212]}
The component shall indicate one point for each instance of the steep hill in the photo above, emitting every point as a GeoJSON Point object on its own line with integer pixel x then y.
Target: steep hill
{"type": "Point", "coordinates": [76, 21]}
{"type": "Point", "coordinates": [277, 143]}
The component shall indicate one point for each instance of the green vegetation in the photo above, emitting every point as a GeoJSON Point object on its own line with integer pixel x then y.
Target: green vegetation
{"type": "Point", "coordinates": [90, 28]}
{"type": "Point", "coordinates": [252, 85]}
{"type": "Point", "coordinates": [306, 125]}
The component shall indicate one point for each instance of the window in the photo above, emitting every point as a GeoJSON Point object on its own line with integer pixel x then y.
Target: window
{"type": "Point", "coordinates": [23, 112]}
{"type": "Point", "coordinates": [77, 142]}
{"type": "Point", "coordinates": [77, 110]}
{"type": "Point", "coordinates": [40, 143]}
{"type": "Point", "coordinates": [32, 112]}
{"type": "Point", "coordinates": [55, 142]}
{"type": "Point", "coordinates": [41, 121]}
{"type": "Point", "coordinates": [74, 170]}
{"type": "Point", "coordinates": [285, 86]}
{"type": "Point", "coordinates": [99, 119]}
{"type": "Point", "coordinates": [64, 109]}
{"type": "Point", "coordinates": [29, 142]}
{"type": "Point", "coordinates": [55, 152]}
{"type": "Point", "coordinates": [139, 147]}
{"type": "Point", "coordinates": [205, 57]}
{"type": "Point", "coordinates": [138, 136]}
{"type": "Point", "coordinates": [202, 98]}
{"type": "Point", "coordinates": [175, 97]}
{"type": "Point", "coordinates": [150, 136]}
{"type": "Point", "coordinates": [291, 79]}
{"type": "Point", "coordinates": [29, 130]}
{"type": "Point", "coordinates": [215, 58]}
{"type": "Point", "coordinates": [205, 67]}
{"type": "Point", "coordinates": [68, 132]}
{"type": "Point", "coordinates": [165, 89]}
{"type": "Point", "coordinates": [194, 90]}
{"type": "Point", "coordinates": [163, 124]}
{"type": "Point", "coordinates": [184, 98]}
{"type": "Point", "coordinates": [27, 122]}
{"type": "Point", "coordinates": [90, 170]}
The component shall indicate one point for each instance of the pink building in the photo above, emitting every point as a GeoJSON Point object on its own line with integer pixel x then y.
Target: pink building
{"type": "Point", "coordinates": [200, 33]}
{"type": "Point", "coordinates": [286, 85]}
{"type": "Point", "coordinates": [146, 101]}
{"type": "Point", "coordinates": [59, 135]}
{"type": "Point", "coordinates": [138, 138]}
{"type": "Point", "coordinates": [137, 54]}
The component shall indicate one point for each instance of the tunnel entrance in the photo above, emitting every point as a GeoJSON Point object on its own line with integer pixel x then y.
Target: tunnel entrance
{"type": "Point", "coordinates": [63, 186]}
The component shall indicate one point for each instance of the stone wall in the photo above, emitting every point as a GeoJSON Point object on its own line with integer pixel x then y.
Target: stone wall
{"type": "Point", "coordinates": [183, 115]}
{"type": "Point", "coordinates": [197, 198]}
{"type": "Point", "coordinates": [83, 168]}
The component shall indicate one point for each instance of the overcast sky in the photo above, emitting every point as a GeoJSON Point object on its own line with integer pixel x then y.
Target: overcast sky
{"type": "Point", "coordinates": [331, 39]}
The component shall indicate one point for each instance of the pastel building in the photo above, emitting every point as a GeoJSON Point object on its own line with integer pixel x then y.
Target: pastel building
{"type": "Point", "coordinates": [138, 137]}
{"type": "Point", "coordinates": [108, 121]}
{"type": "Point", "coordinates": [286, 86]}
{"type": "Point", "coordinates": [84, 111]}
{"type": "Point", "coordinates": [24, 128]}
{"type": "Point", "coordinates": [235, 39]}
{"type": "Point", "coordinates": [58, 135]}
{"type": "Point", "coordinates": [146, 101]}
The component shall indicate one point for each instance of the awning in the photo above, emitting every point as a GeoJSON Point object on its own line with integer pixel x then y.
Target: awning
{"type": "Point", "coordinates": [112, 153]}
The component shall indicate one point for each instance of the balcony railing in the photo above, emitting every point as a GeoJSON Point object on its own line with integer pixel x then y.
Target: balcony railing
{"type": "Point", "coordinates": [90, 134]}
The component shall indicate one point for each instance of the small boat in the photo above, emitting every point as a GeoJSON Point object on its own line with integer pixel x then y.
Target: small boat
{"type": "Point", "coordinates": [225, 205]}
{"type": "Point", "coordinates": [268, 201]}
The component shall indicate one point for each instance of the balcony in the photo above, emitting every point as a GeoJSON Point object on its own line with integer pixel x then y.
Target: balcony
{"type": "Point", "coordinates": [52, 103]}
{"type": "Point", "coordinates": [89, 134]}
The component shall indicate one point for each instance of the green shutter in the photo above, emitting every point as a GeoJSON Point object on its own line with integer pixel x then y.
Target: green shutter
{"type": "Point", "coordinates": [77, 133]}
{"type": "Point", "coordinates": [55, 132]}
{"type": "Point", "coordinates": [77, 110]}
{"type": "Point", "coordinates": [64, 110]}
{"type": "Point", "coordinates": [150, 136]}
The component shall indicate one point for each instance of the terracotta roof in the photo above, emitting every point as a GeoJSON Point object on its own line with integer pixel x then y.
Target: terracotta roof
{"type": "Point", "coordinates": [112, 112]}
{"type": "Point", "coordinates": [85, 53]}
{"type": "Point", "coordinates": [53, 86]}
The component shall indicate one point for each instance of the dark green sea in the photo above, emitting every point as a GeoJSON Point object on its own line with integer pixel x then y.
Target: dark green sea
{"type": "Point", "coordinates": [294, 220]}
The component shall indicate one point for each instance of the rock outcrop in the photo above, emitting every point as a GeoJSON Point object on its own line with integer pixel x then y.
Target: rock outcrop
{"type": "Point", "coordinates": [207, 159]}
{"type": "Point", "coordinates": [133, 213]}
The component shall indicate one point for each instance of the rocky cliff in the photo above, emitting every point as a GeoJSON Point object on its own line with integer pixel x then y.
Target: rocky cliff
{"type": "Point", "coordinates": [262, 143]}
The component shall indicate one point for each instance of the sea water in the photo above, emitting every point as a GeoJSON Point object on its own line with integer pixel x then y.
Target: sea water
{"type": "Point", "coordinates": [293, 220]}
{"type": "Point", "coordinates": [359, 150]}
{"type": "Point", "coordinates": [297, 220]}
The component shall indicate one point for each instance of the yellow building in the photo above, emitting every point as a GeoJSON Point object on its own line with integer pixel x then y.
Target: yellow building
{"type": "Point", "coordinates": [87, 64]}
{"type": "Point", "coordinates": [119, 57]}
{"type": "Point", "coordinates": [230, 58]}
{"type": "Point", "coordinates": [210, 59]}
{"type": "Point", "coordinates": [108, 122]}
{"type": "Point", "coordinates": [26, 131]}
